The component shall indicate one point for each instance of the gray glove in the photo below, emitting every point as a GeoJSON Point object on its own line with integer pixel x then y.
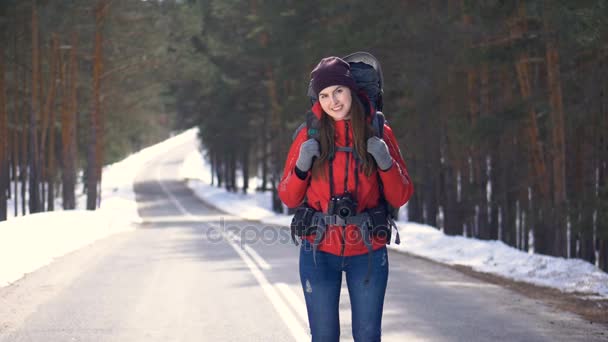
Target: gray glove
{"type": "Point", "coordinates": [378, 149]}
{"type": "Point", "coordinates": [308, 150]}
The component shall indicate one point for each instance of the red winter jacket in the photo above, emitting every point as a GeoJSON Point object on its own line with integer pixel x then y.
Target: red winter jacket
{"type": "Point", "coordinates": [396, 184]}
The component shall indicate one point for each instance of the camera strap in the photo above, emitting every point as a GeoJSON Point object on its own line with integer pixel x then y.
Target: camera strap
{"type": "Point", "coordinates": [331, 170]}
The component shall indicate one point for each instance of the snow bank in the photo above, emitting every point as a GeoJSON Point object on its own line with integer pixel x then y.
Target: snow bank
{"type": "Point", "coordinates": [568, 275]}
{"type": "Point", "coordinates": [32, 241]}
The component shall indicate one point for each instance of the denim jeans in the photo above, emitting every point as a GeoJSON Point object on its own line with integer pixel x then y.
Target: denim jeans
{"type": "Point", "coordinates": [322, 284]}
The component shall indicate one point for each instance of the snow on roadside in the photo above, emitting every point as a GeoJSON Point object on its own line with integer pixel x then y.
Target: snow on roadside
{"type": "Point", "coordinates": [32, 241]}
{"type": "Point", "coordinates": [568, 275]}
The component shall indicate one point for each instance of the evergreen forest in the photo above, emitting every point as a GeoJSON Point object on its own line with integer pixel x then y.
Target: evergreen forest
{"type": "Point", "coordinates": [500, 106]}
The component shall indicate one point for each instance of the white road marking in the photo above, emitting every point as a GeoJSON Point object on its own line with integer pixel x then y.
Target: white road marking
{"type": "Point", "coordinates": [282, 308]}
{"type": "Point", "coordinates": [297, 304]}
{"type": "Point", "coordinates": [258, 259]}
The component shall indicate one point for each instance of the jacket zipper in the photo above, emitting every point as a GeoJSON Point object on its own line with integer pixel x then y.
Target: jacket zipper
{"type": "Point", "coordinates": [347, 159]}
{"type": "Point", "coordinates": [345, 190]}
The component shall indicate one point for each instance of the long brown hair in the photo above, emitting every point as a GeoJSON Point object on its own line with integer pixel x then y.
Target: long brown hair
{"type": "Point", "coordinates": [362, 131]}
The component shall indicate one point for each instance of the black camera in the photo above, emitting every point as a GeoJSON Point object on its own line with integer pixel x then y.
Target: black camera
{"type": "Point", "coordinates": [343, 206]}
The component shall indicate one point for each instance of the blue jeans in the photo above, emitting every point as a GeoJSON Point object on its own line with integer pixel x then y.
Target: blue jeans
{"type": "Point", "coordinates": [322, 284]}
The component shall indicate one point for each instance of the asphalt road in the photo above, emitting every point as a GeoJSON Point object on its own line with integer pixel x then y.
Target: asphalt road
{"type": "Point", "coordinates": [193, 273]}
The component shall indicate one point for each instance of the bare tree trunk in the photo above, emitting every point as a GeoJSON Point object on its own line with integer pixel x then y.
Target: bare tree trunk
{"type": "Point", "coordinates": [277, 205]}
{"type": "Point", "coordinates": [470, 174]}
{"type": "Point", "coordinates": [23, 166]}
{"type": "Point", "coordinates": [16, 126]}
{"type": "Point", "coordinates": [219, 169]}
{"type": "Point", "coordinates": [4, 176]}
{"type": "Point", "coordinates": [245, 167]}
{"type": "Point", "coordinates": [34, 172]}
{"type": "Point", "coordinates": [603, 254]}
{"type": "Point", "coordinates": [41, 124]}
{"type": "Point", "coordinates": [226, 163]}
{"type": "Point", "coordinates": [482, 172]}
{"type": "Point", "coordinates": [557, 127]}
{"type": "Point", "coordinates": [508, 158]}
{"type": "Point", "coordinates": [68, 128]}
{"type": "Point", "coordinates": [48, 126]}
{"type": "Point", "coordinates": [95, 133]}
{"type": "Point", "coordinates": [557, 116]}
{"type": "Point", "coordinates": [233, 159]}
{"type": "Point", "coordinates": [51, 162]}
{"type": "Point", "coordinates": [212, 167]}
{"type": "Point", "coordinates": [538, 178]}
{"type": "Point", "coordinates": [264, 147]}
{"type": "Point", "coordinates": [16, 158]}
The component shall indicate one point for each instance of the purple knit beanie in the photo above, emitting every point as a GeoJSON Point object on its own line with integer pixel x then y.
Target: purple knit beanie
{"type": "Point", "coordinates": [332, 71]}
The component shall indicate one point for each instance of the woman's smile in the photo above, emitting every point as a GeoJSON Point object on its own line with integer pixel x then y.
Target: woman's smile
{"type": "Point", "coordinates": [336, 101]}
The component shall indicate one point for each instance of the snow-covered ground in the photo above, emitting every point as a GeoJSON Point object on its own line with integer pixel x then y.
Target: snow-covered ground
{"type": "Point", "coordinates": [27, 243]}
{"type": "Point", "coordinates": [32, 241]}
{"type": "Point", "coordinates": [569, 275]}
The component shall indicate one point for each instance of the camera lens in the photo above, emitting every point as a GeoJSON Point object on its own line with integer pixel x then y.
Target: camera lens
{"type": "Point", "coordinates": [344, 212]}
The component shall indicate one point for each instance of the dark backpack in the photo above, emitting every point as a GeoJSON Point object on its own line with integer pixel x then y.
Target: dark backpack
{"type": "Point", "coordinates": [367, 72]}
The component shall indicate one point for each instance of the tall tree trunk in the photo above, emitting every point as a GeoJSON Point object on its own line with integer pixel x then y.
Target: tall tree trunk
{"type": "Point", "coordinates": [34, 172]}
{"type": "Point", "coordinates": [234, 167]}
{"type": "Point", "coordinates": [219, 169]}
{"type": "Point", "coordinates": [451, 217]}
{"type": "Point", "coordinates": [245, 167]}
{"type": "Point", "coordinates": [212, 167]}
{"type": "Point", "coordinates": [557, 126]}
{"type": "Point", "coordinates": [275, 108]}
{"type": "Point", "coordinates": [469, 182]}
{"type": "Point", "coordinates": [603, 254]}
{"type": "Point", "coordinates": [16, 125]}
{"type": "Point", "coordinates": [68, 128]}
{"type": "Point", "coordinates": [509, 155]}
{"type": "Point", "coordinates": [447, 219]}
{"type": "Point", "coordinates": [16, 157]}
{"type": "Point", "coordinates": [470, 176]}
{"type": "Point", "coordinates": [264, 143]}
{"type": "Point", "coordinates": [557, 115]}
{"type": "Point", "coordinates": [51, 164]}
{"type": "Point", "coordinates": [484, 162]}
{"type": "Point", "coordinates": [599, 145]}
{"type": "Point", "coordinates": [232, 171]}
{"type": "Point", "coordinates": [227, 165]}
{"type": "Point", "coordinates": [4, 176]}
{"type": "Point", "coordinates": [538, 178]}
{"type": "Point", "coordinates": [48, 124]}
{"type": "Point", "coordinates": [95, 133]}
{"type": "Point", "coordinates": [24, 148]}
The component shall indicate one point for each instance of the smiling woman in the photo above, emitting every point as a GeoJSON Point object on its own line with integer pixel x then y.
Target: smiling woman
{"type": "Point", "coordinates": [336, 102]}
{"type": "Point", "coordinates": [347, 175]}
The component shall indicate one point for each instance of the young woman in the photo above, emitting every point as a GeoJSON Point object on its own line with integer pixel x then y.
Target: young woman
{"type": "Point", "coordinates": [343, 175]}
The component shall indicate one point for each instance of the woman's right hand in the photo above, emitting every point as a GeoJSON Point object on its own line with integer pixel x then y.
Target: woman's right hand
{"type": "Point", "coordinates": [308, 150]}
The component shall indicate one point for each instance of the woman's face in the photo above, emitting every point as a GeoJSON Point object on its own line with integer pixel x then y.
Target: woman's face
{"type": "Point", "coordinates": [336, 102]}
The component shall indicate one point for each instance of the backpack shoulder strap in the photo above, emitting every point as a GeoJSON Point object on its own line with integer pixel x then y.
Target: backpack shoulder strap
{"type": "Point", "coordinates": [295, 134]}
{"type": "Point", "coordinates": [312, 127]}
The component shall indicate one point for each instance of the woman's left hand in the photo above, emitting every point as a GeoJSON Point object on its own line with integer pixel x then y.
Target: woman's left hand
{"type": "Point", "coordinates": [379, 150]}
